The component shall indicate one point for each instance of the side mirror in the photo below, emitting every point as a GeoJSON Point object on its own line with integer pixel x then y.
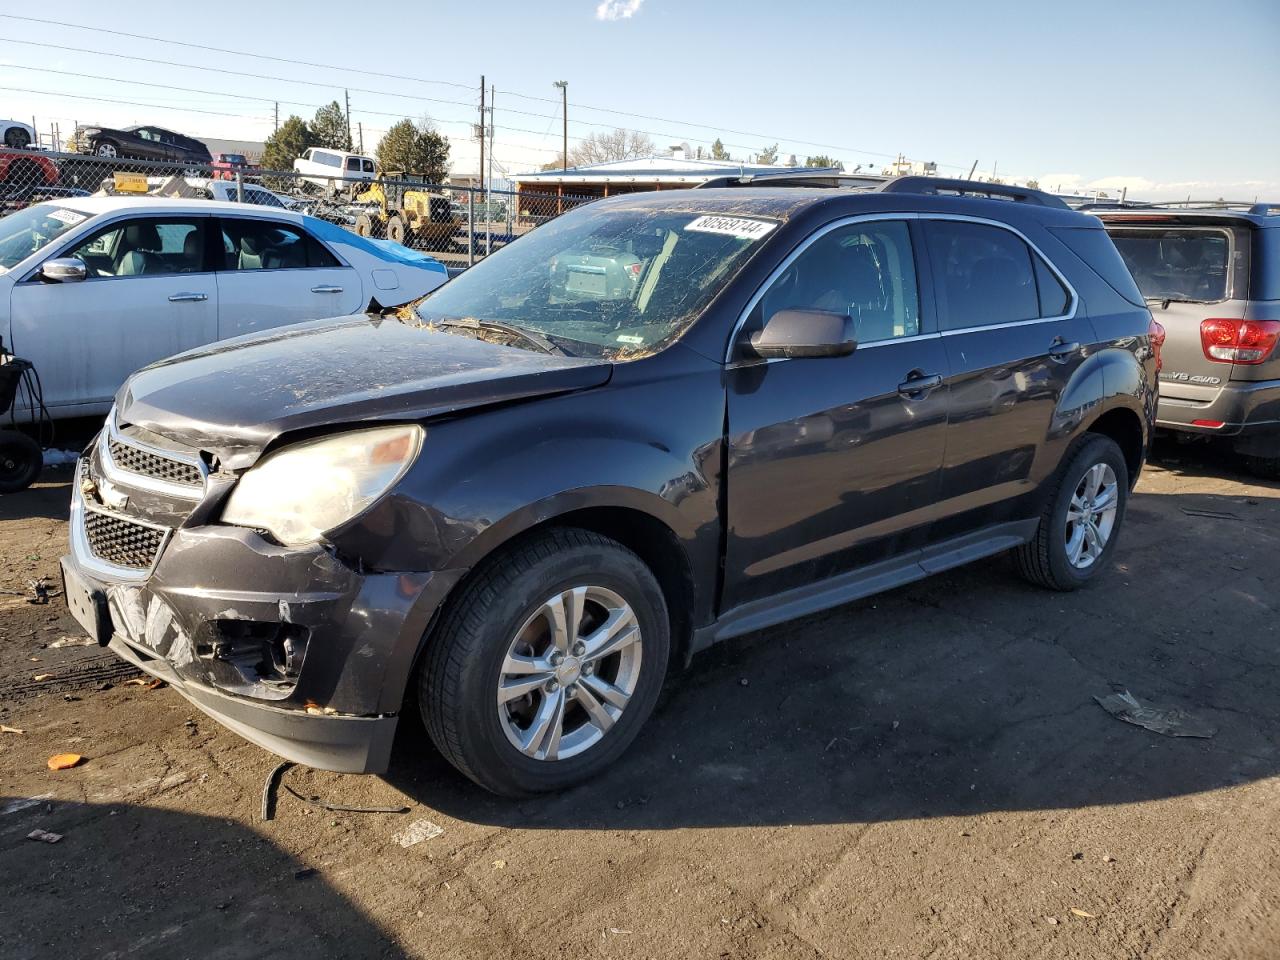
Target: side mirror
{"type": "Point", "coordinates": [805, 333]}
{"type": "Point", "coordinates": [64, 270]}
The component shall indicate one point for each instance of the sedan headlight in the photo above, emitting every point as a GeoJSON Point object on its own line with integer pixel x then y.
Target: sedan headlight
{"type": "Point", "coordinates": [302, 491]}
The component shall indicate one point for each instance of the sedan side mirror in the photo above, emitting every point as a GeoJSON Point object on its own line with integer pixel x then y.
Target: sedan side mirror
{"type": "Point", "coordinates": [64, 270]}
{"type": "Point", "coordinates": [805, 333]}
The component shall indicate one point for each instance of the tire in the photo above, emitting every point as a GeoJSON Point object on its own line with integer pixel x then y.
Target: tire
{"type": "Point", "coordinates": [1268, 468]}
{"type": "Point", "coordinates": [105, 148]}
{"type": "Point", "coordinates": [505, 602]}
{"type": "Point", "coordinates": [364, 225]}
{"type": "Point", "coordinates": [17, 138]}
{"type": "Point", "coordinates": [397, 230]}
{"type": "Point", "coordinates": [21, 460]}
{"type": "Point", "coordinates": [1047, 560]}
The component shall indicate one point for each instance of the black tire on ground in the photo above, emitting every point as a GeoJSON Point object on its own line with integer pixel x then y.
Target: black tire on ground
{"type": "Point", "coordinates": [1044, 559]}
{"type": "Point", "coordinates": [460, 670]}
{"type": "Point", "coordinates": [17, 137]}
{"type": "Point", "coordinates": [397, 229]}
{"type": "Point", "coordinates": [21, 460]}
{"type": "Point", "coordinates": [1266, 467]}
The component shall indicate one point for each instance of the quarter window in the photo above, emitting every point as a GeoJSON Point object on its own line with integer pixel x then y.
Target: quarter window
{"type": "Point", "coordinates": [268, 245]}
{"type": "Point", "coordinates": [866, 270]}
{"type": "Point", "coordinates": [987, 275]}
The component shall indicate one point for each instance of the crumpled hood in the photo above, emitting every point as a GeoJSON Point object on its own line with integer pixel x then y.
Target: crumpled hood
{"type": "Point", "coordinates": [236, 396]}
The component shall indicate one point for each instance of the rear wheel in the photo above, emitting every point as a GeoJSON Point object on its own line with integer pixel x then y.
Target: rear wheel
{"type": "Point", "coordinates": [546, 667]}
{"type": "Point", "coordinates": [20, 461]}
{"type": "Point", "coordinates": [398, 230]}
{"type": "Point", "coordinates": [366, 226]}
{"type": "Point", "coordinates": [1081, 519]}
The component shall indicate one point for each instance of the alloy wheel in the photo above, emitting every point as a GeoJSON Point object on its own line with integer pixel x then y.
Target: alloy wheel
{"type": "Point", "coordinates": [569, 673]}
{"type": "Point", "coordinates": [106, 150]}
{"type": "Point", "coordinates": [1091, 515]}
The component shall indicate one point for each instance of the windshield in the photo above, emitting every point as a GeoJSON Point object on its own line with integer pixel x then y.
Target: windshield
{"type": "Point", "coordinates": [1176, 264]}
{"type": "Point", "coordinates": [603, 282]}
{"type": "Point", "coordinates": [29, 230]}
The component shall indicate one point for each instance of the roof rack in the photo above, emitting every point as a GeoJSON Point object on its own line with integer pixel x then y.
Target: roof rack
{"type": "Point", "coordinates": [1248, 206]}
{"type": "Point", "coordinates": [792, 178]}
{"type": "Point", "coordinates": [935, 185]}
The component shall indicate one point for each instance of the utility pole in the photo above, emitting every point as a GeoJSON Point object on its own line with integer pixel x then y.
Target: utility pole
{"type": "Point", "coordinates": [564, 110]}
{"type": "Point", "coordinates": [482, 132]}
{"type": "Point", "coordinates": [347, 95]}
{"type": "Point", "coordinates": [276, 124]}
{"type": "Point", "coordinates": [488, 197]}
{"type": "Point", "coordinates": [360, 127]}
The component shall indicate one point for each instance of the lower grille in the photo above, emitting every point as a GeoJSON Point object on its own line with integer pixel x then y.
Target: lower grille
{"type": "Point", "coordinates": [147, 464]}
{"type": "Point", "coordinates": [121, 542]}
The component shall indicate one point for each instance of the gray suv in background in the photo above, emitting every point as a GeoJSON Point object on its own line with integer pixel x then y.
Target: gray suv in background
{"type": "Point", "coordinates": [1211, 274]}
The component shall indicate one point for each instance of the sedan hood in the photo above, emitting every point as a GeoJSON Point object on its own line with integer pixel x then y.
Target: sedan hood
{"type": "Point", "coordinates": [235, 397]}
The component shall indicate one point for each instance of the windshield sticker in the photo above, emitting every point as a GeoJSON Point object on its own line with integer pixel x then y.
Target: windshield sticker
{"type": "Point", "coordinates": [739, 227]}
{"type": "Point", "coordinates": [69, 217]}
{"type": "Point", "coordinates": [629, 338]}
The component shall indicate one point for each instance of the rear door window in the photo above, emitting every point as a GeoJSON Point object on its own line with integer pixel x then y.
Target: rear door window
{"type": "Point", "coordinates": [270, 245]}
{"type": "Point", "coordinates": [1176, 263]}
{"type": "Point", "coordinates": [984, 275]}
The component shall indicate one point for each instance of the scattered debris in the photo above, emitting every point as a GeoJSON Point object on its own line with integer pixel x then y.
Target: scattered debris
{"type": "Point", "coordinates": [1210, 514]}
{"type": "Point", "coordinates": [42, 677]}
{"type": "Point", "coordinates": [342, 808]}
{"type": "Point", "coordinates": [305, 873]}
{"type": "Point", "coordinates": [1052, 921]}
{"type": "Point", "coordinates": [416, 832]}
{"type": "Point", "coordinates": [44, 836]}
{"type": "Point", "coordinates": [39, 591]}
{"type": "Point", "coordinates": [84, 641]}
{"type": "Point", "coordinates": [5, 729]}
{"type": "Point", "coordinates": [1108, 859]}
{"type": "Point", "coordinates": [499, 864]}
{"type": "Point", "coordinates": [269, 789]}
{"type": "Point", "coordinates": [148, 683]}
{"type": "Point", "coordinates": [65, 761]}
{"type": "Point", "coordinates": [13, 806]}
{"type": "Point", "coordinates": [1080, 913]}
{"type": "Point", "coordinates": [744, 682]}
{"type": "Point", "coordinates": [60, 458]}
{"type": "Point", "coordinates": [615, 930]}
{"type": "Point", "coordinates": [1170, 722]}
{"type": "Point", "coordinates": [1077, 856]}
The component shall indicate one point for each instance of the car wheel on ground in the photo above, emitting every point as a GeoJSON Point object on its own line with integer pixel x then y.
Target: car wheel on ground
{"type": "Point", "coordinates": [21, 460]}
{"type": "Point", "coordinates": [1081, 519]}
{"type": "Point", "coordinates": [526, 696]}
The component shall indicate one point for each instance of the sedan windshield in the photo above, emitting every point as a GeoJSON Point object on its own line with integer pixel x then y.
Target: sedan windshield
{"type": "Point", "coordinates": [600, 281]}
{"type": "Point", "coordinates": [27, 231]}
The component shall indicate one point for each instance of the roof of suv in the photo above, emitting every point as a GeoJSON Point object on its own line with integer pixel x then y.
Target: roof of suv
{"type": "Point", "coordinates": [1261, 215]}
{"type": "Point", "coordinates": [766, 197]}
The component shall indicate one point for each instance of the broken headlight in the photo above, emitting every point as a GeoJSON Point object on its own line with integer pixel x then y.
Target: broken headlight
{"type": "Point", "coordinates": [302, 491]}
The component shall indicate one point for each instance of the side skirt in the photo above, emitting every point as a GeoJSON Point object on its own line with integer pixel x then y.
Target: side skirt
{"type": "Point", "coordinates": [863, 582]}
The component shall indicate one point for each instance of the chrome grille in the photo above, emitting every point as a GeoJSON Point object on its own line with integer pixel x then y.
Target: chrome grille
{"type": "Point", "coordinates": [117, 540]}
{"type": "Point", "coordinates": [147, 464]}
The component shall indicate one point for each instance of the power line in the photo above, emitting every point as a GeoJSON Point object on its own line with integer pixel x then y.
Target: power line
{"type": "Point", "coordinates": [130, 103]}
{"type": "Point", "coordinates": [238, 53]}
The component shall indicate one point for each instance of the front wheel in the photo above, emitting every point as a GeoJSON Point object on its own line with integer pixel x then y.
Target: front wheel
{"type": "Point", "coordinates": [105, 148]}
{"type": "Point", "coordinates": [1081, 519]}
{"type": "Point", "coordinates": [545, 668]}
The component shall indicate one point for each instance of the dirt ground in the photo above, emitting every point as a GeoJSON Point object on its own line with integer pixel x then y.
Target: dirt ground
{"type": "Point", "coordinates": [922, 774]}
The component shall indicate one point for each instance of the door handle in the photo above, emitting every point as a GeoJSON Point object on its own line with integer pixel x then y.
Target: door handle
{"type": "Point", "coordinates": [188, 297]}
{"type": "Point", "coordinates": [326, 288]}
{"type": "Point", "coordinates": [918, 385]}
{"type": "Point", "coordinates": [1062, 350]}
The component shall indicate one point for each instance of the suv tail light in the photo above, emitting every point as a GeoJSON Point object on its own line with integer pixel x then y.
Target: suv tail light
{"type": "Point", "coordinates": [1156, 334]}
{"type": "Point", "coordinates": [1239, 341]}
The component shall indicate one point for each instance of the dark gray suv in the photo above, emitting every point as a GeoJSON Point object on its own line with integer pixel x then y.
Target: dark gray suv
{"type": "Point", "coordinates": [1211, 273]}
{"type": "Point", "coordinates": [516, 504]}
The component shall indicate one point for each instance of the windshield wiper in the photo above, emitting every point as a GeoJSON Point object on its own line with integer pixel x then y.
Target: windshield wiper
{"type": "Point", "coordinates": [1165, 301]}
{"type": "Point", "coordinates": [537, 339]}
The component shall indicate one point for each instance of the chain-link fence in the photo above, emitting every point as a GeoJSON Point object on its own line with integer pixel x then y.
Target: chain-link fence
{"type": "Point", "coordinates": [457, 224]}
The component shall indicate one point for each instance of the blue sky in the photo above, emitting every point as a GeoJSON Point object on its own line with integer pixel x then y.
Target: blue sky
{"type": "Point", "coordinates": [1166, 99]}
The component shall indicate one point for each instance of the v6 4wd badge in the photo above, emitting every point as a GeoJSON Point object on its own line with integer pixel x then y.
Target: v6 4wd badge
{"type": "Point", "coordinates": [1189, 378]}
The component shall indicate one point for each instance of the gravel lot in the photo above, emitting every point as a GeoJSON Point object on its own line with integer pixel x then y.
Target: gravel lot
{"type": "Point", "coordinates": [923, 774]}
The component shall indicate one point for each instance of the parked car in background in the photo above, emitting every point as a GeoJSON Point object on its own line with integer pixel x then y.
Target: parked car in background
{"type": "Point", "coordinates": [516, 507]}
{"type": "Point", "coordinates": [334, 169]}
{"type": "Point", "coordinates": [95, 287]}
{"type": "Point", "coordinates": [26, 168]}
{"type": "Point", "coordinates": [16, 134]}
{"type": "Point", "coordinates": [141, 143]}
{"type": "Point", "coordinates": [227, 165]}
{"type": "Point", "coordinates": [1211, 273]}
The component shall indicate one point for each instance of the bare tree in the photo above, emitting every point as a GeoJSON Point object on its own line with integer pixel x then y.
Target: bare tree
{"type": "Point", "coordinates": [619, 145]}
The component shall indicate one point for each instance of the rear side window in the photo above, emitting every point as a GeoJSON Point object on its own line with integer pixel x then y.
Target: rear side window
{"type": "Point", "coordinates": [984, 275]}
{"type": "Point", "coordinates": [268, 245]}
{"type": "Point", "coordinates": [328, 159]}
{"type": "Point", "coordinates": [1177, 263]}
{"type": "Point", "coordinates": [1094, 247]}
{"type": "Point", "coordinates": [1265, 265]}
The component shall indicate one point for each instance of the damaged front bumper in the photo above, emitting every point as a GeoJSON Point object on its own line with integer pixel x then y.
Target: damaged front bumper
{"type": "Point", "coordinates": [292, 648]}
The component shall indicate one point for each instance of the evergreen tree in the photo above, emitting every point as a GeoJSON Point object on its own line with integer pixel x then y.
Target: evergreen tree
{"type": "Point", "coordinates": [330, 128]}
{"type": "Point", "coordinates": [288, 143]}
